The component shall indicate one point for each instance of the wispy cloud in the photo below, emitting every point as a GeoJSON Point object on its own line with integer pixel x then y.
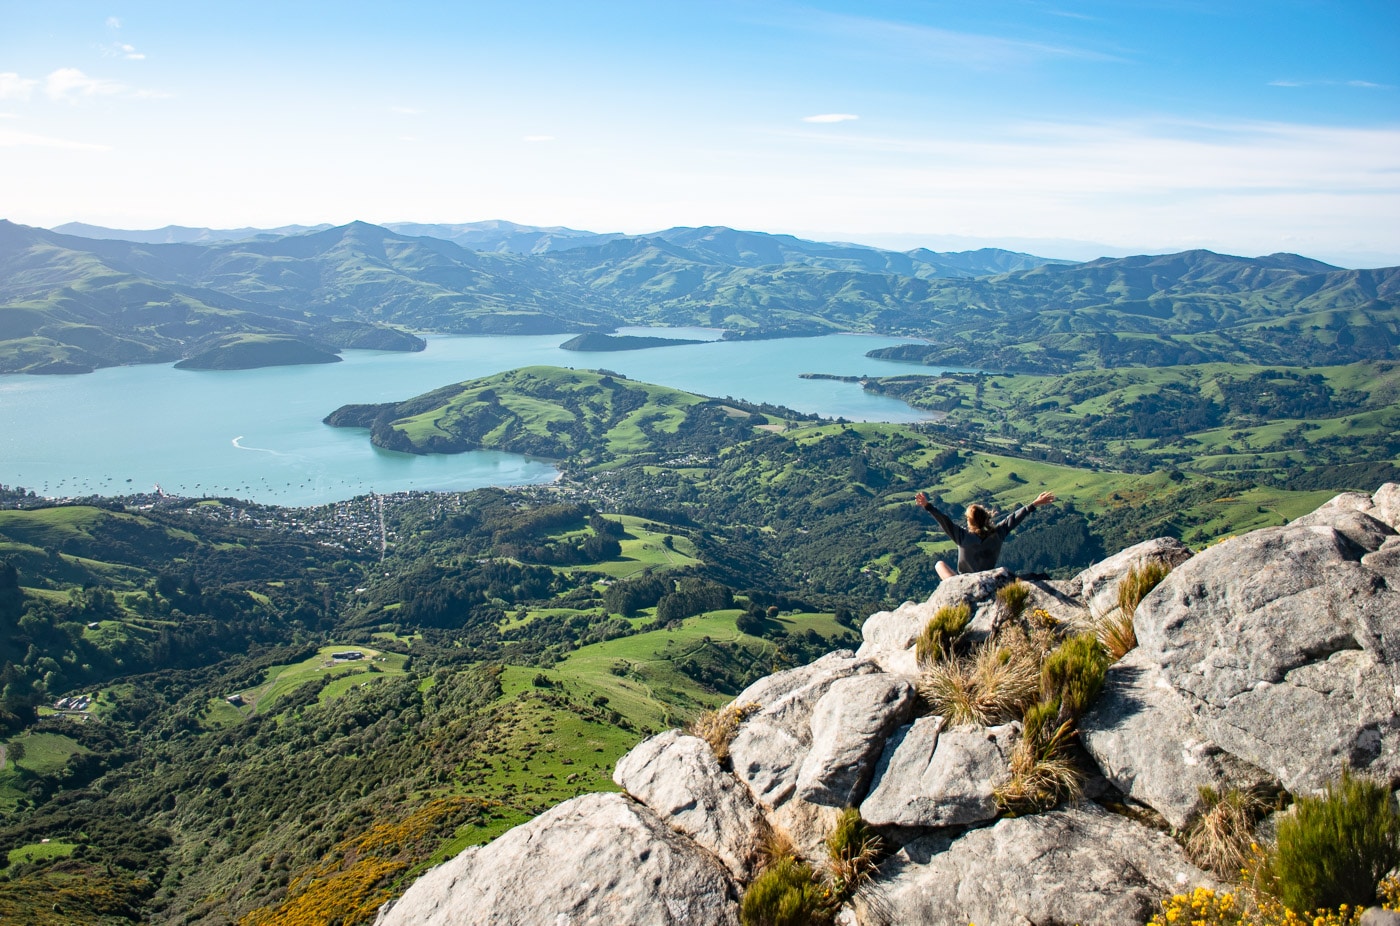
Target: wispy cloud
{"type": "Point", "coordinates": [70, 85]}
{"type": "Point", "coordinates": [119, 48]}
{"type": "Point", "coordinates": [14, 87]}
{"type": "Point", "coordinates": [13, 139]}
{"type": "Point", "coordinates": [1359, 84]}
{"type": "Point", "coordinates": [536, 138]}
{"type": "Point", "coordinates": [123, 50]}
{"type": "Point", "coordinates": [969, 49]}
{"type": "Point", "coordinates": [831, 117]}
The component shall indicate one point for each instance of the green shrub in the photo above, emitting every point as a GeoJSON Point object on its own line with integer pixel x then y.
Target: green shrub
{"type": "Point", "coordinates": [787, 894]}
{"type": "Point", "coordinates": [1336, 848]}
{"type": "Point", "coordinates": [942, 632]}
{"type": "Point", "coordinates": [1073, 675]}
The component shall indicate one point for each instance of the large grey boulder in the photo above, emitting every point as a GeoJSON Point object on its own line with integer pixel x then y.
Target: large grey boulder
{"type": "Point", "coordinates": [1099, 583]}
{"type": "Point", "coordinates": [1365, 531]}
{"type": "Point", "coordinates": [1284, 646]}
{"type": "Point", "coordinates": [1074, 865]}
{"type": "Point", "coordinates": [768, 751]}
{"type": "Point", "coordinates": [849, 727]}
{"type": "Point", "coordinates": [1147, 742]}
{"type": "Point", "coordinates": [889, 637]}
{"type": "Point", "coordinates": [679, 778]}
{"type": "Point", "coordinates": [1386, 503]}
{"type": "Point", "coordinates": [931, 777]}
{"type": "Point", "coordinates": [596, 859]}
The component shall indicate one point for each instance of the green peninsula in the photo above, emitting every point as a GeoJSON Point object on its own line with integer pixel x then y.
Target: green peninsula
{"type": "Point", "coordinates": [591, 418]}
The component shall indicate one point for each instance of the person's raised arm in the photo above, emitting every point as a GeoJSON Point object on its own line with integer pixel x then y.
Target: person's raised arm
{"type": "Point", "coordinates": [1044, 498]}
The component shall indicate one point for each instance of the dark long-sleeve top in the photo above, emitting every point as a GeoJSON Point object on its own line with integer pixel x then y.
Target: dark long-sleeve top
{"type": "Point", "coordinates": [978, 553]}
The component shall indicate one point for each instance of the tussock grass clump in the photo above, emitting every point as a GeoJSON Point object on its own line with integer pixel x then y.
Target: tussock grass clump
{"type": "Point", "coordinates": [1115, 629]}
{"type": "Point", "coordinates": [942, 633]}
{"type": "Point", "coordinates": [1140, 580]}
{"type": "Point", "coordinates": [1220, 837]}
{"type": "Point", "coordinates": [853, 850]}
{"type": "Point", "coordinates": [1011, 602]}
{"type": "Point", "coordinates": [787, 894]}
{"type": "Point", "coordinates": [994, 684]}
{"type": "Point", "coordinates": [1042, 771]}
{"type": "Point", "coordinates": [1073, 675]}
{"type": "Point", "coordinates": [719, 727]}
{"type": "Point", "coordinates": [1335, 849]}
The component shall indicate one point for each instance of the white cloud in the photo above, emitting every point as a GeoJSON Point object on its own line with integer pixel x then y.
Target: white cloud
{"type": "Point", "coordinates": [12, 139]}
{"type": "Point", "coordinates": [113, 22]}
{"type": "Point", "coordinates": [71, 84]}
{"type": "Point", "coordinates": [533, 138]}
{"type": "Point", "coordinates": [128, 52]}
{"type": "Point", "coordinates": [14, 87]}
{"type": "Point", "coordinates": [831, 117]}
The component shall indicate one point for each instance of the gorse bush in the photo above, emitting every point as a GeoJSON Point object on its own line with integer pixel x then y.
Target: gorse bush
{"type": "Point", "coordinates": [1205, 907]}
{"type": "Point", "coordinates": [1336, 848]}
{"type": "Point", "coordinates": [942, 632]}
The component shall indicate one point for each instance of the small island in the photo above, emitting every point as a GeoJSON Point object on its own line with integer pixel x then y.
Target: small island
{"type": "Point", "coordinates": [251, 351]}
{"type": "Point", "coordinates": [594, 341]}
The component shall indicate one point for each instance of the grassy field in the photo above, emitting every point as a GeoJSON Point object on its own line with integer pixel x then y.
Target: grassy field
{"type": "Point", "coordinates": [44, 754]}
{"type": "Point", "coordinates": [545, 749]}
{"type": "Point", "coordinates": [284, 679]}
{"type": "Point", "coordinates": [40, 850]}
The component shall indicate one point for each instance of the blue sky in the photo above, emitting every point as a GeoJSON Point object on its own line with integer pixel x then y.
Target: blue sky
{"type": "Point", "coordinates": [1069, 129]}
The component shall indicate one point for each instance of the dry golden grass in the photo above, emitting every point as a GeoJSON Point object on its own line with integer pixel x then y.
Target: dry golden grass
{"type": "Point", "coordinates": [718, 727]}
{"type": "Point", "coordinates": [1042, 773]}
{"type": "Point", "coordinates": [1115, 628]}
{"type": "Point", "coordinates": [994, 684]}
{"type": "Point", "coordinates": [1219, 839]}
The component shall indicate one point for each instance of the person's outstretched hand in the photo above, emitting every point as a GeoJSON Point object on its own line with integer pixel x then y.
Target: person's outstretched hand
{"type": "Point", "coordinates": [920, 499]}
{"type": "Point", "coordinates": [1044, 498]}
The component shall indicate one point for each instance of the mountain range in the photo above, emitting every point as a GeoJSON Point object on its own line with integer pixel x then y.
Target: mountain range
{"type": "Point", "coordinates": [71, 304]}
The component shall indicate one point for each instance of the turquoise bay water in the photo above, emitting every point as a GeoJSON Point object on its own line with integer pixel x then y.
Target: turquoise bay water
{"type": "Point", "coordinates": [257, 434]}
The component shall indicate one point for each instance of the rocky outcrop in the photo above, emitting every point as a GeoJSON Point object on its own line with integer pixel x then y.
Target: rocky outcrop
{"type": "Point", "coordinates": [599, 858]}
{"type": "Point", "coordinates": [771, 746]}
{"type": "Point", "coordinates": [1269, 660]}
{"type": "Point", "coordinates": [849, 726]}
{"type": "Point", "coordinates": [679, 778]}
{"type": "Point", "coordinates": [1075, 865]}
{"type": "Point", "coordinates": [929, 777]}
{"type": "Point", "coordinates": [1124, 734]}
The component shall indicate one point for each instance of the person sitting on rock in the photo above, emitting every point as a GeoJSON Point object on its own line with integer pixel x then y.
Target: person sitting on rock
{"type": "Point", "coordinates": [979, 544]}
